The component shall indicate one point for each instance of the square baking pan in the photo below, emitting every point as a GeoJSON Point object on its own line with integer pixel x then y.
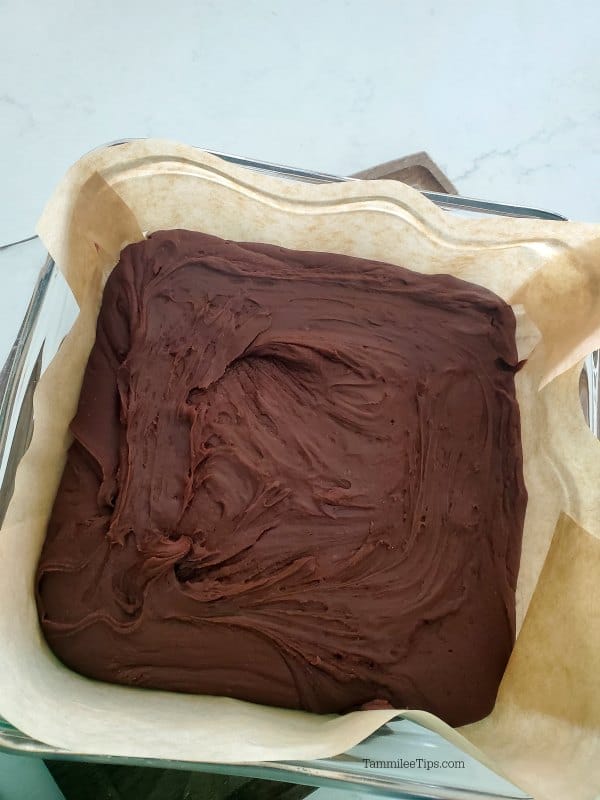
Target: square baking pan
{"type": "Point", "coordinates": [49, 316]}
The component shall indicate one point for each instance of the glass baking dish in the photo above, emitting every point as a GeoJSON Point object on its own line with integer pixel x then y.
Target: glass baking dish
{"type": "Point", "coordinates": [413, 761]}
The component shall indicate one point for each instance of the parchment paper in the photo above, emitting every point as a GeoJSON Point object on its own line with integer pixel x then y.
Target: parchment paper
{"type": "Point", "coordinates": [546, 724]}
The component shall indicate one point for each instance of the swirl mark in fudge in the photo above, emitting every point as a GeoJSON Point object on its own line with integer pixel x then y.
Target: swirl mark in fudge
{"type": "Point", "coordinates": [296, 479]}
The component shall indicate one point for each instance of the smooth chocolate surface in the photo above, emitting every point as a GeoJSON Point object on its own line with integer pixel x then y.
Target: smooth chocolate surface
{"type": "Point", "coordinates": [296, 479]}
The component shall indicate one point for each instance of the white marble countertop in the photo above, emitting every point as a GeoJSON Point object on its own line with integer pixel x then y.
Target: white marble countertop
{"type": "Point", "coordinates": [504, 96]}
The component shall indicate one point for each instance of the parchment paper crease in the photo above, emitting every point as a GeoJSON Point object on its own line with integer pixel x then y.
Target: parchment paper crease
{"type": "Point", "coordinates": [544, 733]}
